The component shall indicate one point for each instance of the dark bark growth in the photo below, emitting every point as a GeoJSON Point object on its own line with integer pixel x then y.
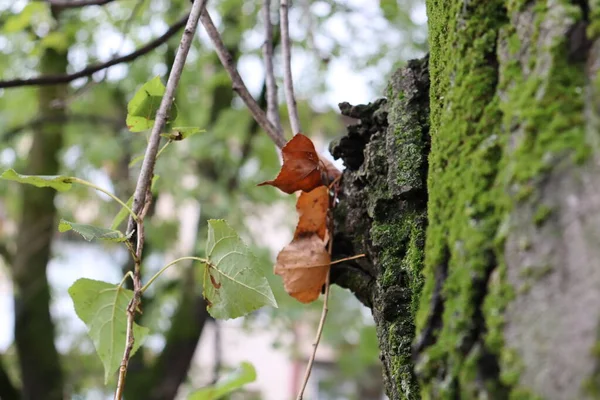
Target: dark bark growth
{"type": "Point", "coordinates": [382, 212]}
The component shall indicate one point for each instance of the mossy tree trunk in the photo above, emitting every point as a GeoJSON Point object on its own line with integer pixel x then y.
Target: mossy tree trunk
{"type": "Point", "coordinates": [484, 277]}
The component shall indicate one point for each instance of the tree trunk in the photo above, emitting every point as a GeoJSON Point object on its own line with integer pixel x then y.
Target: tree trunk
{"type": "Point", "coordinates": [39, 362]}
{"type": "Point", "coordinates": [496, 260]}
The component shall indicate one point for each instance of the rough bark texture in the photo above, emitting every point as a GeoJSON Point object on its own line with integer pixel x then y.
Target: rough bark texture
{"type": "Point", "coordinates": [509, 305]}
{"type": "Point", "coordinates": [382, 213]}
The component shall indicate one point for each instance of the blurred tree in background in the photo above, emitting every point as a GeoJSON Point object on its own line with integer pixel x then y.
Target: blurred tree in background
{"type": "Point", "coordinates": [341, 48]}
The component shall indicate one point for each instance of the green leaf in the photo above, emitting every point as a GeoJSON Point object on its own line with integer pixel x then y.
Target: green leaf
{"type": "Point", "coordinates": [22, 20]}
{"type": "Point", "coordinates": [234, 284]}
{"type": "Point", "coordinates": [390, 8]}
{"type": "Point", "coordinates": [238, 378]}
{"type": "Point", "coordinates": [58, 182]}
{"type": "Point", "coordinates": [58, 41]}
{"type": "Point", "coordinates": [123, 213]}
{"type": "Point", "coordinates": [141, 110]}
{"type": "Point", "coordinates": [90, 232]}
{"type": "Point", "coordinates": [102, 307]}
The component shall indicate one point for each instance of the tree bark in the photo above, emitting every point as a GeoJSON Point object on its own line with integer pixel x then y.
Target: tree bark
{"type": "Point", "coordinates": [41, 373]}
{"type": "Point", "coordinates": [491, 272]}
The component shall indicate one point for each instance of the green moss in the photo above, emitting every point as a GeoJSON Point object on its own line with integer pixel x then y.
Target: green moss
{"type": "Point", "coordinates": [542, 214]}
{"type": "Point", "coordinates": [474, 161]}
{"type": "Point", "coordinates": [465, 205]}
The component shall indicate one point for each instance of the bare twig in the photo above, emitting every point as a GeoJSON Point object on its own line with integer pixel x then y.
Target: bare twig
{"type": "Point", "coordinates": [288, 83]}
{"type": "Point", "coordinates": [124, 31]}
{"type": "Point", "coordinates": [77, 3]}
{"type": "Point", "coordinates": [272, 103]}
{"type": "Point", "coordinates": [315, 344]}
{"type": "Point", "coordinates": [317, 339]}
{"type": "Point", "coordinates": [238, 84]}
{"type": "Point", "coordinates": [92, 69]}
{"type": "Point", "coordinates": [142, 196]}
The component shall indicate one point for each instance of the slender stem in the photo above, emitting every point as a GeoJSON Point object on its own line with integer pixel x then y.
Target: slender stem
{"type": "Point", "coordinates": [142, 197]}
{"type": "Point", "coordinates": [106, 192]}
{"type": "Point", "coordinates": [315, 344]}
{"type": "Point", "coordinates": [288, 82]}
{"type": "Point", "coordinates": [129, 274]}
{"type": "Point", "coordinates": [238, 84]}
{"type": "Point", "coordinates": [341, 260]}
{"type": "Point", "coordinates": [163, 269]}
{"type": "Point", "coordinates": [163, 148]}
{"type": "Point", "coordinates": [271, 85]}
{"type": "Point", "coordinates": [311, 360]}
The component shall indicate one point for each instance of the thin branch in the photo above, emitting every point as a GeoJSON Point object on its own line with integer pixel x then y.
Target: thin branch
{"type": "Point", "coordinates": [288, 82]}
{"type": "Point", "coordinates": [315, 344]}
{"type": "Point", "coordinates": [60, 4]}
{"type": "Point", "coordinates": [272, 103]}
{"type": "Point", "coordinates": [237, 82]}
{"type": "Point", "coordinates": [311, 360]}
{"type": "Point", "coordinates": [142, 197]}
{"type": "Point", "coordinates": [92, 69]}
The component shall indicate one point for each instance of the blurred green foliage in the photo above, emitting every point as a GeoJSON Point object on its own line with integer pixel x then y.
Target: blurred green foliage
{"type": "Point", "coordinates": [215, 171]}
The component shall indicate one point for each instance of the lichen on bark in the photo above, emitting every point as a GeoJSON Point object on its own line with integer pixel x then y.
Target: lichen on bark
{"type": "Point", "coordinates": [382, 213]}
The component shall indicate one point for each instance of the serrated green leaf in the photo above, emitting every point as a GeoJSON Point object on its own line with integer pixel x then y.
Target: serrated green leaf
{"type": "Point", "coordinates": [58, 182]}
{"type": "Point", "coordinates": [90, 232]}
{"type": "Point", "coordinates": [102, 307]}
{"type": "Point", "coordinates": [141, 110]}
{"type": "Point", "coordinates": [234, 284]}
{"type": "Point", "coordinates": [122, 214]}
{"type": "Point", "coordinates": [243, 375]}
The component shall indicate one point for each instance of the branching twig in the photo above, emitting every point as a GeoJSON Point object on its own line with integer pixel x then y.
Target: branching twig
{"type": "Point", "coordinates": [288, 83]}
{"type": "Point", "coordinates": [142, 196]}
{"type": "Point", "coordinates": [272, 103]}
{"type": "Point", "coordinates": [238, 84]}
{"type": "Point", "coordinates": [92, 69]}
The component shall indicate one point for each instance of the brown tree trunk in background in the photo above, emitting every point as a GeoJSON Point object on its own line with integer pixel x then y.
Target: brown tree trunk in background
{"type": "Point", "coordinates": [499, 296]}
{"type": "Point", "coordinates": [41, 373]}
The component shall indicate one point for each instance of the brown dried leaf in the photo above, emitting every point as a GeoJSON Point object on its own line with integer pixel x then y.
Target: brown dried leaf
{"type": "Point", "coordinates": [303, 264]}
{"type": "Point", "coordinates": [312, 209]}
{"type": "Point", "coordinates": [301, 169]}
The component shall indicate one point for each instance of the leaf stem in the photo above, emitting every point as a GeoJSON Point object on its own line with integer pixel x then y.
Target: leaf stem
{"type": "Point", "coordinates": [129, 274]}
{"type": "Point", "coordinates": [163, 269]}
{"type": "Point", "coordinates": [106, 192]}
{"type": "Point", "coordinates": [142, 197]}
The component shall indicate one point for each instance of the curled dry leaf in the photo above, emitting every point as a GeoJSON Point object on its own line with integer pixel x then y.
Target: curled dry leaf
{"type": "Point", "coordinates": [312, 209]}
{"type": "Point", "coordinates": [303, 264]}
{"type": "Point", "coordinates": [301, 169]}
